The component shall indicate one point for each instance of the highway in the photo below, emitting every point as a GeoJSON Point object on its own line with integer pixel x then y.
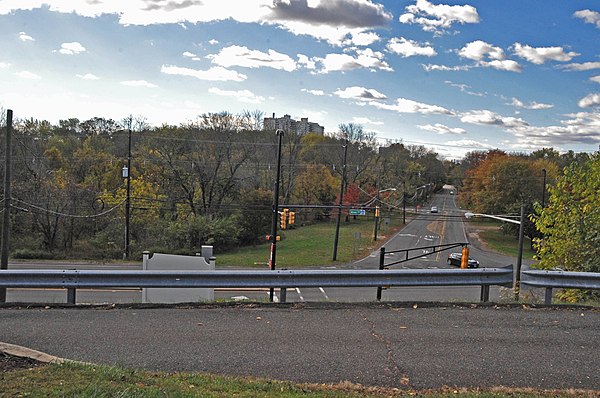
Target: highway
{"type": "Point", "coordinates": [425, 229]}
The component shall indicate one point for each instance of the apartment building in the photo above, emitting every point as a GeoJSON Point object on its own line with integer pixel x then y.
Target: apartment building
{"type": "Point", "coordinates": [287, 124]}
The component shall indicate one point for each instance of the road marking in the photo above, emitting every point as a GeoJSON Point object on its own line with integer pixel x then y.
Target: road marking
{"type": "Point", "coordinates": [299, 294]}
{"type": "Point", "coordinates": [324, 294]}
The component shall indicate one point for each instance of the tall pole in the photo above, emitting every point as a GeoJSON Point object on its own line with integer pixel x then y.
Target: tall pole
{"type": "Point", "coordinates": [339, 215]}
{"type": "Point", "coordinates": [520, 255]}
{"type": "Point", "coordinates": [128, 198]}
{"type": "Point", "coordinates": [275, 211]}
{"type": "Point", "coordinates": [404, 202]}
{"type": "Point", "coordinates": [7, 195]}
{"type": "Point", "coordinates": [377, 212]}
{"type": "Point", "coordinates": [544, 189]}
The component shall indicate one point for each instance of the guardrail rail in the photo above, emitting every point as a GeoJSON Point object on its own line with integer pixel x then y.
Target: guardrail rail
{"type": "Point", "coordinates": [560, 279]}
{"type": "Point", "coordinates": [283, 279]}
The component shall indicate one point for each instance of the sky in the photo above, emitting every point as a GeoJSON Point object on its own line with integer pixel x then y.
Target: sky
{"type": "Point", "coordinates": [455, 76]}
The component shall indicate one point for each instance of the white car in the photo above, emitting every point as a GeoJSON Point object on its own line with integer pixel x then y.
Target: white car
{"type": "Point", "coordinates": [434, 209]}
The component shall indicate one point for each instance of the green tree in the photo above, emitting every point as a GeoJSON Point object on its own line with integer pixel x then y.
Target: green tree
{"type": "Point", "coordinates": [570, 223]}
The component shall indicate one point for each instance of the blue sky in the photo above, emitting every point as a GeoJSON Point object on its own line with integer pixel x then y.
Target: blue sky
{"type": "Point", "coordinates": [455, 76]}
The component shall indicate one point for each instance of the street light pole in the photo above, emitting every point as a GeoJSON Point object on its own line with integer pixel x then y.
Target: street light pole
{"type": "Point", "coordinates": [339, 215]}
{"type": "Point", "coordinates": [521, 222]}
{"type": "Point", "coordinates": [7, 197]}
{"type": "Point", "coordinates": [127, 175]}
{"type": "Point", "coordinates": [275, 211]}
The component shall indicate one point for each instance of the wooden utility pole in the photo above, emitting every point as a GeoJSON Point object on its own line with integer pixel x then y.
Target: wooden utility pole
{"type": "Point", "coordinates": [7, 195]}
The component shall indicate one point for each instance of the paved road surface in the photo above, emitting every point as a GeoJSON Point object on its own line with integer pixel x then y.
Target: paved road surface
{"type": "Point", "coordinates": [370, 344]}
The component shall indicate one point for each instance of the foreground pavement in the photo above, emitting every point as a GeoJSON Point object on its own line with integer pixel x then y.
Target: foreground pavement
{"type": "Point", "coordinates": [398, 345]}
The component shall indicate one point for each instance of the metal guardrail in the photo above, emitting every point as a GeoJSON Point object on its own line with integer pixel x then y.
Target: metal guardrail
{"type": "Point", "coordinates": [560, 279]}
{"type": "Point", "coordinates": [77, 279]}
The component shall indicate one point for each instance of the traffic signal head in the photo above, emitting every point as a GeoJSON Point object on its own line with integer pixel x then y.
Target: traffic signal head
{"type": "Point", "coordinates": [283, 218]}
{"type": "Point", "coordinates": [292, 218]}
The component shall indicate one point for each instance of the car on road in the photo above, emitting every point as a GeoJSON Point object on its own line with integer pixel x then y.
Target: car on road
{"type": "Point", "coordinates": [434, 209]}
{"type": "Point", "coordinates": [456, 258]}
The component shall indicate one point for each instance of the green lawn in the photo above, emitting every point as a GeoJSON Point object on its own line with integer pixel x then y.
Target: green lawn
{"type": "Point", "coordinates": [74, 380]}
{"type": "Point", "coordinates": [496, 240]}
{"type": "Point", "coordinates": [313, 244]}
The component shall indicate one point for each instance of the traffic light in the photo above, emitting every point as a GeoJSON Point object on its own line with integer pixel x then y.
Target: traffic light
{"type": "Point", "coordinates": [292, 217]}
{"type": "Point", "coordinates": [283, 218]}
{"type": "Point", "coordinates": [377, 211]}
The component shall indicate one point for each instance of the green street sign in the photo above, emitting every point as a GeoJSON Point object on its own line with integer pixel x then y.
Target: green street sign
{"type": "Point", "coordinates": [357, 212]}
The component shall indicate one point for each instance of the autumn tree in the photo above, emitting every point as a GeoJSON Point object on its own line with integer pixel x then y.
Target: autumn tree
{"type": "Point", "coordinates": [570, 223]}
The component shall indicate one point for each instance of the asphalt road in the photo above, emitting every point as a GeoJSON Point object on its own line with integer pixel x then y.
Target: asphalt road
{"type": "Point", "coordinates": [371, 344]}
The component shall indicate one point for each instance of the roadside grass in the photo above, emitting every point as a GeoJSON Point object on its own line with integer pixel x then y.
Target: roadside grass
{"type": "Point", "coordinates": [99, 381]}
{"type": "Point", "coordinates": [496, 240]}
{"type": "Point", "coordinates": [312, 245]}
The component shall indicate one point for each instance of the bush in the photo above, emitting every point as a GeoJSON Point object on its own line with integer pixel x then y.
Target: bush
{"type": "Point", "coordinates": [33, 254]}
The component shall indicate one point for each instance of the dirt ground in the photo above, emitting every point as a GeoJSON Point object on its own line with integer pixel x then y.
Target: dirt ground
{"type": "Point", "coordinates": [9, 363]}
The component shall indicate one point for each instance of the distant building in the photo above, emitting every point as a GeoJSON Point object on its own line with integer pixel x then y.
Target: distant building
{"type": "Point", "coordinates": [287, 124]}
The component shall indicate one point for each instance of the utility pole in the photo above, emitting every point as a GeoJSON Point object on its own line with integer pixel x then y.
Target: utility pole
{"type": "Point", "coordinates": [127, 175]}
{"type": "Point", "coordinates": [520, 254]}
{"type": "Point", "coordinates": [339, 215]}
{"type": "Point", "coordinates": [377, 213]}
{"type": "Point", "coordinates": [403, 202]}
{"type": "Point", "coordinates": [544, 189]}
{"type": "Point", "coordinates": [275, 211]}
{"type": "Point", "coordinates": [7, 197]}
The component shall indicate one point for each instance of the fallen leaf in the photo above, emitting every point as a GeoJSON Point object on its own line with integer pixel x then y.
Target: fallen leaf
{"type": "Point", "coordinates": [403, 327]}
{"type": "Point", "coordinates": [258, 318]}
{"type": "Point", "coordinates": [415, 306]}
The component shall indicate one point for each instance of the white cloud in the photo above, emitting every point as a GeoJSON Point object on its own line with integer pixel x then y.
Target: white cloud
{"type": "Point", "coordinates": [138, 83]}
{"type": "Point", "coordinates": [469, 144]}
{"type": "Point", "coordinates": [366, 58]}
{"type": "Point", "coordinates": [540, 55]}
{"type": "Point", "coordinates": [590, 100]}
{"type": "Point", "coordinates": [409, 48]}
{"type": "Point", "coordinates": [188, 54]}
{"type": "Point", "coordinates": [72, 48]}
{"type": "Point", "coordinates": [595, 79]}
{"type": "Point", "coordinates": [213, 74]}
{"type": "Point", "coordinates": [485, 117]}
{"type": "Point", "coordinates": [88, 76]}
{"type": "Point", "coordinates": [465, 88]}
{"type": "Point", "coordinates": [318, 93]}
{"type": "Point", "coordinates": [582, 67]}
{"type": "Point", "coordinates": [404, 105]}
{"type": "Point", "coordinates": [438, 18]}
{"type": "Point", "coordinates": [4, 65]}
{"type": "Point", "coordinates": [433, 67]}
{"type": "Point", "coordinates": [506, 65]}
{"type": "Point", "coordinates": [479, 50]}
{"type": "Point", "coordinates": [589, 16]}
{"type": "Point", "coordinates": [580, 128]}
{"type": "Point", "coordinates": [360, 93]}
{"type": "Point", "coordinates": [28, 75]}
{"type": "Point", "coordinates": [241, 95]}
{"type": "Point", "coordinates": [213, 42]}
{"type": "Point", "coordinates": [533, 105]}
{"type": "Point", "coordinates": [242, 56]}
{"type": "Point", "coordinates": [441, 129]}
{"type": "Point", "coordinates": [362, 39]}
{"type": "Point", "coordinates": [25, 37]}
{"type": "Point", "coordinates": [306, 62]}
{"type": "Point", "coordinates": [366, 120]}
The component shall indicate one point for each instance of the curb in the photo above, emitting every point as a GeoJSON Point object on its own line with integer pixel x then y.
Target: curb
{"type": "Point", "coordinates": [25, 352]}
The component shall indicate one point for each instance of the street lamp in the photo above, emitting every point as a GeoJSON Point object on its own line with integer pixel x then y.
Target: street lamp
{"type": "Point", "coordinates": [521, 223]}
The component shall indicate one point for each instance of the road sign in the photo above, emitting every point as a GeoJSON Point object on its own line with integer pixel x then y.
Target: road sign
{"type": "Point", "coordinates": [357, 212]}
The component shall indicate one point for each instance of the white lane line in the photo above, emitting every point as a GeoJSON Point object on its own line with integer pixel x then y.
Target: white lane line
{"type": "Point", "coordinates": [324, 294]}
{"type": "Point", "coordinates": [299, 294]}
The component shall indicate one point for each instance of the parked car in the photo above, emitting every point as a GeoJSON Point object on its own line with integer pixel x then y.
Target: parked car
{"type": "Point", "coordinates": [434, 209]}
{"type": "Point", "coordinates": [456, 258]}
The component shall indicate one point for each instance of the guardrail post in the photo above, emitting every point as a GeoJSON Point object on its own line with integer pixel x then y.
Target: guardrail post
{"type": "Point", "coordinates": [548, 298]}
{"type": "Point", "coordinates": [282, 295]}
{"type": "Point", "coordinates": [485, 293]}
{"type": "Point", "coordinates": [381, 267]}
{"type": "Point", "coordinates": [71, 295]}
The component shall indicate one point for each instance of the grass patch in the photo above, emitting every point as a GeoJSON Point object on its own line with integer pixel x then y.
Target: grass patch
{"type": "Point", "coordinates": [313, 245]}
{"type": "Point", "coordinates": [98, 381]}
{"type": "Point", "coordinates": [496, 240]}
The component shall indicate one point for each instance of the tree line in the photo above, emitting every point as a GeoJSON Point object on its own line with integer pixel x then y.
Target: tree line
{"type": "Point", "coordinates": [209, 181]}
